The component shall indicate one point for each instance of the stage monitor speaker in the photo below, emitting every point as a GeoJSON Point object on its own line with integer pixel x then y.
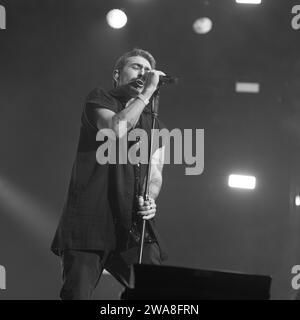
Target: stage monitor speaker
{"type": "Point", "coordinates": [176, 283]}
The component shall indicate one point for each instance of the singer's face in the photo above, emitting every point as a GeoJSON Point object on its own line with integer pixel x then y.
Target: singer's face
{"type": "Point", "coordinates": [134, 68]}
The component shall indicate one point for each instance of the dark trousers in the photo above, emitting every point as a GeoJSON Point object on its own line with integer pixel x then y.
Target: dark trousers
{"type": "Point", "coordinates": [82, 269]}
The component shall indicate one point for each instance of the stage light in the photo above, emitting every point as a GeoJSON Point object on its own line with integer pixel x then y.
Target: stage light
{"type": "Point", "coordinates": [297, 201]}
{"type": "Point", "coordinates": [116, 18]}
{"type": "Point", "coordinates": [249, 1]}
{"type": "Point", "coordinates": [241, 181]}
{"type": "Point", "coordinates": [247, 87]}
{"type": "Point", "coordinates": [202, 25]}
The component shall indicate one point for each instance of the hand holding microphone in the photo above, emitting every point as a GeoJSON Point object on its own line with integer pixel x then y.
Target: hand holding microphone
{"type": "Point", "coordinates": [151, 79]}
{"type": "Point", "coordinates": [154, 79]}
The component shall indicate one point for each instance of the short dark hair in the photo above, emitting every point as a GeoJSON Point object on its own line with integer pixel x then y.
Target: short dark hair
{"type": "Point", "coordinates": [133, 53]}
{"type": "Point", "coordinates": [121, 62]}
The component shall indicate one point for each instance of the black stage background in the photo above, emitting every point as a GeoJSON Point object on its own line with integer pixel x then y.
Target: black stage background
{"type": "Point", "coordinates": [54, 52]}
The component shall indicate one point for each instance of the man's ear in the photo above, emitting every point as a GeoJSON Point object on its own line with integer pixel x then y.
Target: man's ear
{"type": "Point", "coordinates": [116, 75]}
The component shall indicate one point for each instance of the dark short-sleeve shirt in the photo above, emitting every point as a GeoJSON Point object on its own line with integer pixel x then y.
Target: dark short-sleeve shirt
{"type": "Point", "coordinates": [100, 196]}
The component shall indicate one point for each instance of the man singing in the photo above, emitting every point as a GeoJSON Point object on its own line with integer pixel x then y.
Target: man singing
{"type": "Point", "coordinates": [100, 227]}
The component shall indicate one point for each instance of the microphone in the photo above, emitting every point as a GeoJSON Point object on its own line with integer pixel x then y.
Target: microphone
{"type": "Point", "coordinates": [163, 80]}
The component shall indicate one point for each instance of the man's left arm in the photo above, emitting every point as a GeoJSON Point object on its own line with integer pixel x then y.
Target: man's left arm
{"type": "Point", "coordinates": [157, 164]}
{"type": "Point", "coordinates": [148, 208]}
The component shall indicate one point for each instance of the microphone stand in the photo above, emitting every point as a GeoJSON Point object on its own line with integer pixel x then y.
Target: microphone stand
{"type": "Point", "coordinates": [154, 115]}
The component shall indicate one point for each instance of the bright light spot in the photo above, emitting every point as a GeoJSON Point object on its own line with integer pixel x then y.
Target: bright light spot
{"type": "Point", "coordinates": [249, 87]}
{"type": "Point", "coordinates": [297, 201]}
{"type": "Point", "coordinates": [241, 181]}
{"type": "Point", "coordinates": [202, 25]}
{"type": "Point", "coordinates": [249, 1]}
{"type": "Point", "coordinates": [116, 18]}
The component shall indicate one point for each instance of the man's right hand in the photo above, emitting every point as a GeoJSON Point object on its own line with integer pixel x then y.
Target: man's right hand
{"type": "Point", "coordinates": [151, 81]}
